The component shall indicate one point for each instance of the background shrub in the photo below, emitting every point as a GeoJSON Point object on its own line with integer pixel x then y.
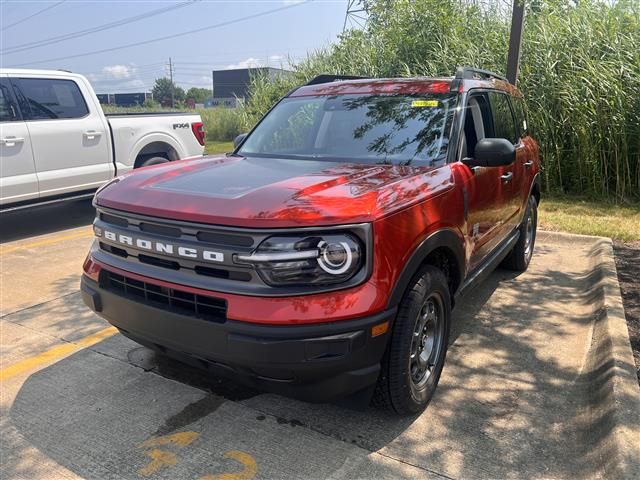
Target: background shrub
{"type": "Point", "coordinates": [580, 73]}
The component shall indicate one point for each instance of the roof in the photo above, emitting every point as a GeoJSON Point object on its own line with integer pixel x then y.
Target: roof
{"type": "Point", "coordinates": [407, 86]}
{"type": "Point", "coordinates": [31, 72]}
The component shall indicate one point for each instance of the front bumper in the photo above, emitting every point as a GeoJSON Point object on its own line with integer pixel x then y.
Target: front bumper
{"type": "Point", "coordinates": [317, 362]}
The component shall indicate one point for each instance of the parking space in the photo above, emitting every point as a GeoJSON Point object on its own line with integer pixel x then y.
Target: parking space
{"type": "Point", "coordinates": [80, 400]}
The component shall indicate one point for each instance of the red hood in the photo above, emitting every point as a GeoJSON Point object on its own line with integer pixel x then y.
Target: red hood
{"type": "Point", "coordinates": [266, 192]}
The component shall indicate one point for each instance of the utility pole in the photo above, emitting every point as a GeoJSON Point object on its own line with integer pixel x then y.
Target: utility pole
{"type": "Point", "coordinates": [515, 41]}
{"type": "Point", "coordinates": [172, 85]}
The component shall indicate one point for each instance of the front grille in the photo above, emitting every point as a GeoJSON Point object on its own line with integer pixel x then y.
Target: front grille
{"type": "Point", "coordinates": [175, 233]}
{"type": "Point", "coordinates": [177, 301]}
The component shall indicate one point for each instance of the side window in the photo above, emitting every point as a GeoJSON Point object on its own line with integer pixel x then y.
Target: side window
{"type": "Point", "coordinates": [8, 111]}
{"type": "Point", "coordinates": [52, 98]}
{"type": "Point", "coordinates": [504, 126]}
{"type": "Point", "coordinates": [477, 123]}
{"type": "Point", "coordinates": [519, 112]}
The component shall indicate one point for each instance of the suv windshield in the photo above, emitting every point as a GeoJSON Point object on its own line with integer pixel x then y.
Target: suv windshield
{"type": "Point", "coordinates": [392, 129]}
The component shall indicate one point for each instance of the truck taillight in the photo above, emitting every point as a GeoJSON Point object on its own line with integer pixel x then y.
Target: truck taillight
{"type": "Point", "coordinates": [198, 131]}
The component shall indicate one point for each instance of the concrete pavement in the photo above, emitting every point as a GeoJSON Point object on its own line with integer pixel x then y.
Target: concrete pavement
{"type": "Point", "coordinates": [516, 398]}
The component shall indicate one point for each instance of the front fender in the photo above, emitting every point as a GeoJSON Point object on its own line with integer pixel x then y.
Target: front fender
{"type": "Point", "coordinates": [445, 238]}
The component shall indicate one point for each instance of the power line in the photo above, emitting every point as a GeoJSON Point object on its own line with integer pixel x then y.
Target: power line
{"type": "Point", "coordinates": [168, 37]}
{"type": "Point", "coordinates": [7, 27]}
{"type": "Point", "coordinates": [80, 33]}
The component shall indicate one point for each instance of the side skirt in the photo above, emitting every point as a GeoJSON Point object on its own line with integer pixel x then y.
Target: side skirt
{"type": "Point", "coordinates": [42, 202]}
{"type": "Point", "coordinates": [489, 264]}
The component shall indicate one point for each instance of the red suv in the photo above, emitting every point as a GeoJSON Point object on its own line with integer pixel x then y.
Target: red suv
{"type": "Point", "coordinates": [322, 258]}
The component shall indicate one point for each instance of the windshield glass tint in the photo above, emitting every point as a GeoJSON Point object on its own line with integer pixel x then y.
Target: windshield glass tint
{"type": "Point", "coordinates": [397, 129]}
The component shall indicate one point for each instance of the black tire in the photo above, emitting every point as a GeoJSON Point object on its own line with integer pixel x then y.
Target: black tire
{"type": "Point", "coordinates": [400, 387]}
{"type": "Point", "coordinates": [522, 252]}
{"type": "Point", "coordinates": [153, 161]}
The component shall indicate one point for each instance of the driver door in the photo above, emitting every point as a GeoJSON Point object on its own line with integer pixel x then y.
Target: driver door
{"type": "Point", "coordinates": [487, 191]}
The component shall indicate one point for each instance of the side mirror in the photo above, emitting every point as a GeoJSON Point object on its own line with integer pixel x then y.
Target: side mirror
{"type": "Point", "coordinates": [239, 139]}
{"type": "Point", "coordinates": [492, 152]}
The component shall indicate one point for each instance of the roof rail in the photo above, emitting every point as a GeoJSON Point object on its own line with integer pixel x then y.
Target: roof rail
{"type": "Point", "coordinates": [328, 78]}
{"type": "Point", "coordinates": [463, 73]}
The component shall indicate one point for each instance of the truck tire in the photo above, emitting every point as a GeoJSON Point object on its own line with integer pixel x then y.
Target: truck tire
{"type": "Point", "coordinates": [153, 161]}
{"type": "Point", "coordinates": [415, 355]}
{"type": "Point", "coordinates": [520, 256]}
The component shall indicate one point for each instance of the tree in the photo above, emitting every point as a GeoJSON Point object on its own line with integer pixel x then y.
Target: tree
{"type": "Point", "coordinates": [199, 95]}
{"type": "Point", "coordinates": [162, 92]}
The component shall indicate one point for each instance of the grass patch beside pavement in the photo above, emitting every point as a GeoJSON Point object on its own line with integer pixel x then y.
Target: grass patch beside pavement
{"type": "Point", "coordinates": [212, 148]}
{"type": "Point", "coordinates": [590, 217]}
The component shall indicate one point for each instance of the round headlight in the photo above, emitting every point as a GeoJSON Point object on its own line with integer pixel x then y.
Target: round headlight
{"type": "Point", "coordinates": [306, 259]}
{"type": "Point", "coordinates": [335, 258]}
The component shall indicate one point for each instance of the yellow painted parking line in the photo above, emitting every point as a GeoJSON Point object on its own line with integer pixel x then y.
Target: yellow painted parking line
{"type": "Point", "coordinates": [55, 353]}
{"type": "Point", "coordinates": [47, 241]}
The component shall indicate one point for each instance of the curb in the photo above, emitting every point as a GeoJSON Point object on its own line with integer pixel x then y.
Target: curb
{"type": "Point", "coordinates": [609, 373]}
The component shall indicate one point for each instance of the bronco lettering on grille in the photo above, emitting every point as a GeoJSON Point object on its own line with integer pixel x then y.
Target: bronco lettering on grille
{"type": "Point", "coordinates": [164, 248]}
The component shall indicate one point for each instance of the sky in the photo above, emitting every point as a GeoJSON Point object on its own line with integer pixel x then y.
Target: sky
{"type": "Point", "coordinates": [42, 34]}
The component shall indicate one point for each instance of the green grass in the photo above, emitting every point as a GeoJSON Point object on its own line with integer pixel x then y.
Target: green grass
{"type": "Point", "coordinates": [213, 147]}
{"type": "Point", "coordinates": [590, 217]}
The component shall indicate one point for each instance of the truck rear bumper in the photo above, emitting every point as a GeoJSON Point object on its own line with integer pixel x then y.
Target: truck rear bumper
{"type": "Point", "coordinates": [317, 363]}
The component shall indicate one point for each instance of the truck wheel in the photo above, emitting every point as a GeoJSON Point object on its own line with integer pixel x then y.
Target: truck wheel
{"type": "Point", "coordinates": [153, 161]}
{"type": "Point", "coordinates": [415, 356]}
{"type": "Point", "coordinates": [520, 256]}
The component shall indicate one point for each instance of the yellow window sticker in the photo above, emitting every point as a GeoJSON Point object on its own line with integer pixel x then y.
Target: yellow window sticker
{"type": "Point", "coordinates": [424, 103]}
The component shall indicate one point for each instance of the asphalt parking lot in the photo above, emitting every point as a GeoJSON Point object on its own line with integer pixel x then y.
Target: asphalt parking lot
{"type": "Point", "coordinates": [79, 400]}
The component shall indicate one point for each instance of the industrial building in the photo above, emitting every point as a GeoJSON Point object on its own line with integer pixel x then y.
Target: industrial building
{"type": "Point", "coordinates": [231, 84]}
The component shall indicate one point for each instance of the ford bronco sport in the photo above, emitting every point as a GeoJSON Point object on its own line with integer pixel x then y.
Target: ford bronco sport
{"type": "Point", "coordinates": [323, 257]}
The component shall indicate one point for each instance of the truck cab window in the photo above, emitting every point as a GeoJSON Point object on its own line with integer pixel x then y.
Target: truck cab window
{"type": "Point", "coordinates": [7, 109]}
{"type": "Point", "coordinates": [49, 98]}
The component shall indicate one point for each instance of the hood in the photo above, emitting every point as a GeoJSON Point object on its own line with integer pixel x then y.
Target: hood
{"type": "Point", "coordinates": [271, 193]}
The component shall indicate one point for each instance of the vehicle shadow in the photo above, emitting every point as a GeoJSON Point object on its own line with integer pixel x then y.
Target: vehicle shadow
{"type": "Point", "coordinates": [518, 397]}
{"type": "Point", "coordinates": [23, 224]}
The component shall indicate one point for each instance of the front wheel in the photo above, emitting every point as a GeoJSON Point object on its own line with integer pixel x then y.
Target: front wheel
{"type": "Point", "coordinates": [418, 345]}
{"type": "Point", "coordinates": [520, 256]}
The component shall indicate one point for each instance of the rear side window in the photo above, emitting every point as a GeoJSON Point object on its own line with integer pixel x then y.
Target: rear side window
{"type": "Point", "coordinates": [519, 111]}
{"type": "Point", "coordinates": [7, 109]}
{"type": "Point", "coordinates": [504, 126]}
{"type": "Point", "coordinates": [52, 98]}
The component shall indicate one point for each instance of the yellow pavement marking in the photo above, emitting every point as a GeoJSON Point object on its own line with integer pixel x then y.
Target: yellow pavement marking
{"type": "Point", "coordinates": [159, 459]}
{"type": "Point", "coordinates": [47, 241]}
{"type": "Point", "coordinates": [181, 439]}
{"type": "Point", "coordinates": [55, 353]}
{"type": "Point", "coordinates": [247, 461]}
{"type": "Point", "coordinates": [162, 458]}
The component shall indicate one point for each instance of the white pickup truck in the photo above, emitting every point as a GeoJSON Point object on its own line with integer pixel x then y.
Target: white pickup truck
{"type": "Point", "coordinates": [57, 144]}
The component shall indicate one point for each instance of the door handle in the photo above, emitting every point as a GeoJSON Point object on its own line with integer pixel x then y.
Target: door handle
{"type": "Point", "coordinates": [528, 164]}
{"type": "Point", "coordinates": [506, 178]}
{"type": "Point", "coordinates": [12, 141]}
{"type": "Point", "coordinates": [91, 134]}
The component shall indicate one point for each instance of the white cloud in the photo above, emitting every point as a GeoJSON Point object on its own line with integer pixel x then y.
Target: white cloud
{"type": "Point", "coordinates": [277, 61]}
{"type": "Point", "coordinates": [119, 71]}
{"type": "Point", "coordinates": [250, 62]}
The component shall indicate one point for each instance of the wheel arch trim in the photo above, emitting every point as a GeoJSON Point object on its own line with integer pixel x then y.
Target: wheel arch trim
{"type": "Point", "coordinates": [445, 238]}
